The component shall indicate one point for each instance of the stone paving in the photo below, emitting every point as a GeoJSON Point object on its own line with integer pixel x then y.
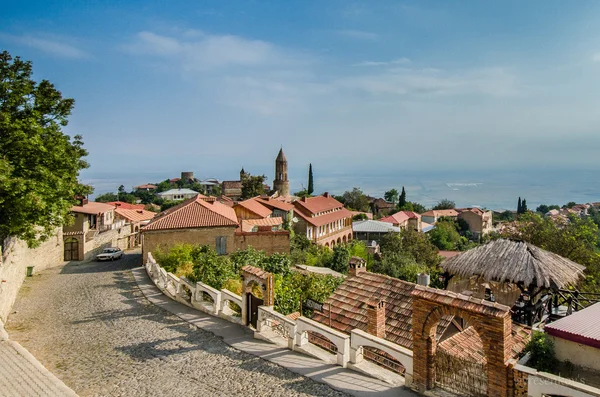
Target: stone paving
{"type": "Point", "coordinates": [91, 327]}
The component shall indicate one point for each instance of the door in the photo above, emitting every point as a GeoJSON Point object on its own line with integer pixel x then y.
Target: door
{"type": "Point", "coordinates": [71, 249]}
{"type": "Point", "coordinates": [253, 304]}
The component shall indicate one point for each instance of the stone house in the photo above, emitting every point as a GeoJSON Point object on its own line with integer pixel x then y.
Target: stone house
{"type": "Point", "coordinates": [432, 216]}
{"type": "Point", "coordinates": [95, 227]}
{"type": "Point", "coordinates": [205, 220]}
{"type": "Point", "coordinates": [405, 219]}
{"type": "Point", "coordinates": [323, 220]}
{"type": "Point", "coordinates": [379, 206]}
{"type": "Point", "coordinates": [479, 221]}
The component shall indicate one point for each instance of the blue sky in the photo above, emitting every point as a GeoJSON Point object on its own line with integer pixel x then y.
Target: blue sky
{"type": "Point", "coordinates": [210, 86]}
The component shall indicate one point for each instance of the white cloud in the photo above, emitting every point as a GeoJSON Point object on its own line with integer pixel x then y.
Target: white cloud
{"type": "Point", "coordinates": [50, 45]}
{"type": "Point", "coordinates": [357, 34]}
{"type": "Point", "coordinates": [399, 61]}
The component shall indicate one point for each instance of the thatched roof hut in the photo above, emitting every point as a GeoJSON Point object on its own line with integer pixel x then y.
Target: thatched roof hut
{"type": "Point", "coordinates": [515, 262]}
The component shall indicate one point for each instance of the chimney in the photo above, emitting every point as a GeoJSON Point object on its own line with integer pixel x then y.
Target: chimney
{"type": "Point", "coordinates": [326, 194]}
{"type": "Point", "coordinates": [376, 318]}
{"type": "Point", "coordinates": [81, 200]}
{"type": "Point", "coordinates": [423, 279]}
{"type": "Point", "coordinates": [356, 266]}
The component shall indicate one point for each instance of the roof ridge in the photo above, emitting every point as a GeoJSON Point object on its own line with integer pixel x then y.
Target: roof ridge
{"type": "Point", "coordinates": [173, 210]}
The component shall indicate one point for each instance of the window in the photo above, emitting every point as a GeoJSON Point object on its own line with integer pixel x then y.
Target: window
{"type": "Point", "coordinates": [221, 244]}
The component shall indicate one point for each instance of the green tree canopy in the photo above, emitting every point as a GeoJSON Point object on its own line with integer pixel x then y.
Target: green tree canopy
{"type": "Point", "coordinates": [252, 185]}
{"type": "Point", "coordinates": [356, 200]}
{"type": "Point", "coordinates": [311, 187]}
{"type": "Point", "coordinates": [391, 196]}
{"type": "Point", "coordinates": [445, 236]}
{"type": "Point", "coordinates": [444, 204]}
{"type": "Point", "coordinates": [39, 164]}
{"type": "Point", "coordinates": [402, 199]}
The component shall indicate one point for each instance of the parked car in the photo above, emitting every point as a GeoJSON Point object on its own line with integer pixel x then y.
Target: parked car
{"type": "Point", "coordinates": [109, 254]}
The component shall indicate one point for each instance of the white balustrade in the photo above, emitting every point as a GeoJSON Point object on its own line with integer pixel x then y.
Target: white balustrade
{"type": "Point", "coordinates": [225, 312]}
{"type": "Point", "coordinates": [200, 303]}
{"type": "Point", "coordinates": [360, 339]}
{"type": "Point", "coordinates": [269, 319]}
{"type": "Point", "coordinates": [340, 340]}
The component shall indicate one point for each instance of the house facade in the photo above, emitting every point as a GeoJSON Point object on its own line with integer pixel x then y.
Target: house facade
{"type": "Point", "coordinates": [405, 219]}
{"type": "Point", "coordinates": [177, 194]}
{"type": "Point", "coordinates": [479, 221]}
{"type": "Point", "coordinates": [95, 227]}
{"type": "Point", "coordinates": [323, 220]}
{"type": "Point", "coordinates": [136, 219]}
{"type": "Point", "coordinates": [432, 216]}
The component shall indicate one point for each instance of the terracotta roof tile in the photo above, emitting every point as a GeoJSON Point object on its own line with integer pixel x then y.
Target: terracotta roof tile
{"type": "Point", "coordinates": [135, 215]}
{"type": "Point", "coordinates": [313, 205]}
{"type": "Point", "coordinates": [194, 213]}
{"type": "Point", "coordinates": [255, 206]}
{"type": "Point", "coordinates": [273, 203]}
{"type": "Point", "coordinates": [349, 310]}
{"type": "Point", "coordinates": [128, 206]}
{"type": "Point", "coordinates": [325, 219]}
{"type": "Point", "coordinates": [92, 208]}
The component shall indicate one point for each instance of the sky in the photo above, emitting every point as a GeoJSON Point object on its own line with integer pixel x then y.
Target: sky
{"type": "Point", "coordinates": [349, 86]}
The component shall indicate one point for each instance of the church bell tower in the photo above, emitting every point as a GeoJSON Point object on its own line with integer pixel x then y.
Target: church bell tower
{"type": "Point", "coordinates": [281, 182]}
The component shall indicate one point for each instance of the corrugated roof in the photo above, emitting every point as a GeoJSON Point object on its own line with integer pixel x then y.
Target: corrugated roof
{"type": "Point", "coordinates": [374, 227]}
{"type": "Point", "coordinates": [255, 206]}
{"type": "Point", "coordinates": [348, 306]}
{"type": "Point", "coordinates": [92, 208]}
{"type": "Point", "coordinates": [515, 261]}
{"type": "Point", "coordinates": [580, 327]}
{"type": "Point", "coordinates": [194, 213]}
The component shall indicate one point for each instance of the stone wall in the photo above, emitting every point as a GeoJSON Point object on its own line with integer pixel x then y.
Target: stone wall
{"type": "Point", "coordinates": [520, 380]}
{"type": "Point", "coordinates": [110, 238]}
{"type": "Point", "coordinates": [202, 236]}
{"type": "Point", "coordinates": [15, 260]}
{"type": "Point", "coordinates": [270, 242]}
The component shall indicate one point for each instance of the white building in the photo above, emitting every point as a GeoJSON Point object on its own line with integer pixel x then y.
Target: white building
{"type": "Point", "coordinates": [177, 194]}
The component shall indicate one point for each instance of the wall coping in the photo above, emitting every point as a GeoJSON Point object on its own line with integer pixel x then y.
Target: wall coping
{"type": "Point", "coordinates": [279, 316]}
{"type": "Point", "coordinates": [313, 324]}
{"type": "Point", "coordinates": [380, 341]}
{"type": "Point", "coordinates": [228, 295]}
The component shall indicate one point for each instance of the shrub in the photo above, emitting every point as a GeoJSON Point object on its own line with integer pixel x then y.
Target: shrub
{"type": "Point", "coordinates": [541, 349]}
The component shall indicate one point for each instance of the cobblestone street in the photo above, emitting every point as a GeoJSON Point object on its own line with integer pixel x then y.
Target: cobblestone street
{"type": "Point", "coordinates": [90, 326]}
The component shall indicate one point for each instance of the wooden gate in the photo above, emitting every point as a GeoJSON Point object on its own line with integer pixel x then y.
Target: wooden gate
{"type": "Point", "coordinates": [71, 249]}
{"type": "Point", "coordinates": [467, 378]}
{"type": "Point", "coordinates": [253, 304]}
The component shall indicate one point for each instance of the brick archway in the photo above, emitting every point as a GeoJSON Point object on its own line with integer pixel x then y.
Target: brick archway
{"type": "Point", "coordinates": [491, 321]}
{"type": "Point", "coordinates": [253, 275]}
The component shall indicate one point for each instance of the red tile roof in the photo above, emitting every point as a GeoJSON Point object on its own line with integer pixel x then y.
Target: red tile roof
{"type": "Point", "coordinates": [580, 327]}
{"type": "Point", "coordinates": [135, 215]}
{"type": "Point", "coordinates": [146, 186]}
{"type": "Point", "coordinates": [448, 254]}
{"type": "Point", "coordinates": [348, 306]}
{"type": "Point", "coordinates": [437, 213]}
{"type": "Point", "coordinates": [273, 203]}
{"type": "Point", "coordinates": [460, 301]}
{"type": "Point", "coordinates": [325, 219]}
{"type": "Point", "coordinates": [249, 224]}
{"type": "Point", "coordinates": [92, 208]}
{"type": "Point", "coordinates": [314, 205]}
{"type": "Point", "coordinates": [196, 212]}
{"type": "Point", "coordinates": [396, 219]}
{"type": "Point", "coordinates": [255, 206]}
{"type": "Point", "coordinates": [127, 206]}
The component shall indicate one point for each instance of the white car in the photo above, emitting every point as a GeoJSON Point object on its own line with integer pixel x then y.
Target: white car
{"type": "Point", "coordinates": [109, 254]}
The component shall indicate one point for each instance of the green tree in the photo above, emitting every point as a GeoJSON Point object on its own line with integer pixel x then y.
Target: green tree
{"type": "Point", "coordinates": [444, 204]}
{"type": "Point", "coordinates": [311, 187]}
{"type": "Point", "coordinates": [524, 206]}
{"type": "Point", "coordinates": [252, 185]}
{"type": "Point", "coordinates": [360, 217]}
{"type": "Point", "coordinates": [163, 186]}
{"type": "Point", "coordinates": [413, 206]}
{"type": "Point", "coordinates": [106, 197]}
{"type": "Point", "coordinates": [542, 209]}
{"type": "Point", "coordinates": [339, 261]}
{"type": "Point", "coordinates": [519, 207]}
{"type": "Point", "coordinates": [402, 199]}
{"type": "Point", "coordinates": [570, 204]}
{"type": "Point", "coordinates": [39, 164]}
{"type": "Point", "coordinates": [444, 236]}
{"type": "Point", "coordinates": [391, 196]}
{"type": "Point", "coordinates": [356, 200]}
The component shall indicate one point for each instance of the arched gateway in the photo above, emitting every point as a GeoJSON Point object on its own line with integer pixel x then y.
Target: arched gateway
{"type": "Point", "coordinates": [492, 322]}
{"type": "Point", "coordinates": [251, 277]}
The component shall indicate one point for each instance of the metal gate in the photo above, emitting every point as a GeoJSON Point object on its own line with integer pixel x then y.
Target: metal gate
{"type": "Point", "coordinates": [467, 378]}
{"type": "Point", "coordinates": [71, 249]}
{"type": "Point", "coordinates": [253, 304]}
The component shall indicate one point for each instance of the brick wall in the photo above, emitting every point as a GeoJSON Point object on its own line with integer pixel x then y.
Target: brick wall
{"type": "Point", "coordinates": [270, 242]}
{"type": "Point", "coordinates": [520, 380]}
{"type": "Point", "coordinates": [201, 236]}
{"type": "Point", "coordinates": [14, 262]}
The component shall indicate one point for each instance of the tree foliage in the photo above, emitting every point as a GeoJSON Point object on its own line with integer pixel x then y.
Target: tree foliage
{"type": "Point", "coordinates": [391, 196]}
{"type": "Point", "coordinates": [402, 199]}
{"type": "Point", "coordinates": [445, 204]}
{"type": "Point", "coordinates": [252, 185]}
{"type": "Point", "coordinates": [311, 187]}
{"type": "Point", "coordinates": [39, 164]}
{"type": "Point", "coordinates": [356, 200]}
{"type": "Point", "coordinates": [445, 236]}
{"type": "Point", "coordinates": [544, 209]}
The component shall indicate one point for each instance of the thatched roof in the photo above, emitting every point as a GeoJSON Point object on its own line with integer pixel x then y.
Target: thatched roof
{"type": "Point", "coordinates": [511, 261]}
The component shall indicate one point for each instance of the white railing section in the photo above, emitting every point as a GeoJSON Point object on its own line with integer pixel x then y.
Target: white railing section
{"type": "Point", "coordinates": [272, 324]}
{"type": "Point", "coordinates": [280, 325]}
{"type": "Point", "coordinates": [541, 384]}
{"type": "Point", "coordinates": [340, 340]}
{"type": "Point", "coordinates": [360, 339]}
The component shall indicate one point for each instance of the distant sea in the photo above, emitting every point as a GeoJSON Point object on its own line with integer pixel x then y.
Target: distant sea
{"type": "Point", "coordinates": [497, 190]}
